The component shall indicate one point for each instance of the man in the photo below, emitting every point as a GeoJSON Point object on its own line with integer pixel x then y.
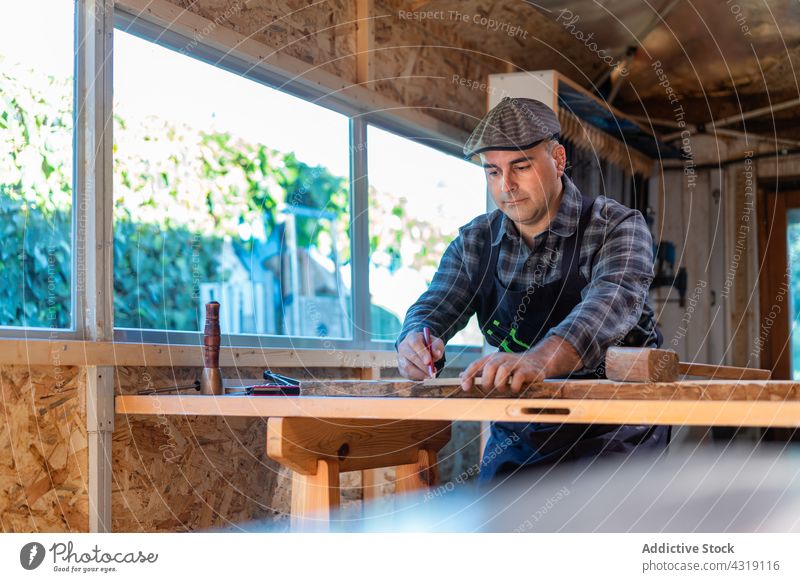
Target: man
{"type": "Point", "coordinates": [555, 278]}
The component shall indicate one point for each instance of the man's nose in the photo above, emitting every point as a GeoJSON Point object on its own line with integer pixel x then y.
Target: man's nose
{"type": "Point", "coordinates": [509, 185]}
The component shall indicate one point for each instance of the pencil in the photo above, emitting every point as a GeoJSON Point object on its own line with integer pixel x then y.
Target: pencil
{"type": "Point", "coordinates": [426, 336]}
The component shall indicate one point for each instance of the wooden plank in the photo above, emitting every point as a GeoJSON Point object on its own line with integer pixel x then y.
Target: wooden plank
{"type": "Point", "coordinates": [101, 353]}
{"type": "Point", "coordinates": [722, 372]}
{"type": "Point", "coordinates": [700, 413]}
{"type": "Point", "coordinates": [315, 497]}
{"type": "Point", "coordinates": [355, 444]}
{"type": "Point", "coordinates": [94, 306]}
{"type": "Point", "coordinates": [365, 43]}
{"type": "Point", "coordinates": [595, 389]}
{"type": "Point", "coordinates": [99, 428]}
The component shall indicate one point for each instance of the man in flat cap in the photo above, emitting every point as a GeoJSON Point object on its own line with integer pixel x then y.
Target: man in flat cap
{"type": "Point", "coordinates": [555, 278]}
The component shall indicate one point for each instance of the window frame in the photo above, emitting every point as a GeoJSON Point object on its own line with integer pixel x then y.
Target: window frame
{"type": "Point", "coordinates": [92, 222]}
{"type": "Point", "coordinates": [78, 213]}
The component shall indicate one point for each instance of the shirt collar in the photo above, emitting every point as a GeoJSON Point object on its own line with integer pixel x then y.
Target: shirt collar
{"type": "Point", "coordinates": [564, 223]}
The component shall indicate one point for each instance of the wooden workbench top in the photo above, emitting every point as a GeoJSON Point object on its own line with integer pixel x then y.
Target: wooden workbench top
{"type": "Point", "coordinates": [701, 403]}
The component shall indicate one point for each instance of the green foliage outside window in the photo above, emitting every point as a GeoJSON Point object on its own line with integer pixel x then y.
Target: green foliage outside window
{"type": "Point", "coordinates": [180, 195]}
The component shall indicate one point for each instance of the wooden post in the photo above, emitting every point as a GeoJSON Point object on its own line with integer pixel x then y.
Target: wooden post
{"type": "Point", "coordinates": [365, 43]}
{"type": "Point", "coordinates": [93, 309]}
{"type": "Point", "coordinates": [315, 497]}
{"type": "Point", "coordinates": [99, 428]}
{"type": "Point", "coordinates": [416, 476]}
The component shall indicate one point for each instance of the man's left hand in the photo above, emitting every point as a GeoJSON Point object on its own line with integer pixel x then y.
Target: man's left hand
{"type": "Point", "coordinates": [496, 369]}
{"type": "Point", "coordinates": [552, 357]}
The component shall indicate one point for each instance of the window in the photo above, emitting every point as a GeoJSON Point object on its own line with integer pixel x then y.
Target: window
{"type": "Point", "coordinates": [419, 197]}
{"type": "Point", "coordinates": [36, 164]}
{"type": "Point", "coordinates": [229, 190]}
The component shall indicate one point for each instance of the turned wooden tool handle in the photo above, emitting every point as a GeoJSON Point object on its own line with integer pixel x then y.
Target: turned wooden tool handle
{"type": "Point", "coordinates": [627, 364]}
{"type": "Point", "coordinates": [211, 336]}
{"type": "Point", "coordinates": [723, 372]}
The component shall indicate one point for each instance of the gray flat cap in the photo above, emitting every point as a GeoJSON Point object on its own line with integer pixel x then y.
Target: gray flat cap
{"type": "Point", "coordinates": [516, 123]}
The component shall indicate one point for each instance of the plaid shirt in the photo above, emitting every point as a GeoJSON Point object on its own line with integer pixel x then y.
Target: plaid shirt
{"type": "Point", "coordinates": [616, 258]}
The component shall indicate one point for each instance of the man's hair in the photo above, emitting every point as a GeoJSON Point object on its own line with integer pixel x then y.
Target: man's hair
{"type": "Point", "coordinates": [552, 143]}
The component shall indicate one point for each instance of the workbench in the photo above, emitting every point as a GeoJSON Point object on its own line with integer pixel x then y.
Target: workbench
{"type": "Point", "coordinates": [348, 425]}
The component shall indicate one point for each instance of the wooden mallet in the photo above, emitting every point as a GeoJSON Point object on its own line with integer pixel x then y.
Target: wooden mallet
{"type": "Point", "coordinates": [658, 365]}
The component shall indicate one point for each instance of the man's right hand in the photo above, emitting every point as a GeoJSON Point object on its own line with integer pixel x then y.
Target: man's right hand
{"type": "Point", "coordinates": [413, 357]}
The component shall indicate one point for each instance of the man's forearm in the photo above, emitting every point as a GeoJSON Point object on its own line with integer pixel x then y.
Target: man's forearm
{"type": "Point", "coordinates": [445, 307]}
{"type": "Point", "coordinates": [559, 357]}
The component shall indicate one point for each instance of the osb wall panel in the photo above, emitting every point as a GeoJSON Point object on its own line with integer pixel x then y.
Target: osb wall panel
{"type": "Point", "coordinates": [43, 450]}
{"type": "Point", "coordinates": [422, 64]}
{"type": "Point", "coordinates": [319, 33]}
{"type": "Point", "coordinates": [417, 60]}
{"type": "Point", "coordinates": [175, 473]}
{"type": "Point", "coordinates": [443, 60]}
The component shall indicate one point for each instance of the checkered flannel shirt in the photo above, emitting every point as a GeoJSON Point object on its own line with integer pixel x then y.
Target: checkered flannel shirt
{"type": "Point", "coordinates": [616, 258]}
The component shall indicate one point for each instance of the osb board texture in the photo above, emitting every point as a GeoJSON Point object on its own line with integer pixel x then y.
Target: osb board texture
{"type": "Point", "coordinates": [420, 64]}
{"type": "Point", "coordinates": [319, 33]}
{"type": "Point", "coordinates": [417, 63]}
{"type": "Point", "coordinates": [174, 473]}
{"type": "Point", "coordinates": [425, 60]}
{"type": "Point", "coordinates": [516, 35]}
{"type": "Point", "coordinates": [43, 449]}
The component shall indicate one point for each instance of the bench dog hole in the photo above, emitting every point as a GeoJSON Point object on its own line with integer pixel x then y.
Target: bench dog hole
{"type": "Point", "coordinates": [554, 411]}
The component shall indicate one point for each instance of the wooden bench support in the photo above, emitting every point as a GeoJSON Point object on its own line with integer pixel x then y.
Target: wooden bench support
{"type": "Point", "coordinates": [420, 475]}
{"type": "Point", "coordinates": [318, 450]}
{"type": "Point", "coordinates": [315, 497]}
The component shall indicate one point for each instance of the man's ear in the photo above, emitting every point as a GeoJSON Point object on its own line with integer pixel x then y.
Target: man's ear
{"type": "Point", "coordinates": [560, 157]}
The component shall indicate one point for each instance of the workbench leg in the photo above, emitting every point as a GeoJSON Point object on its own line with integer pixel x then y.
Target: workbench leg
{"type": "Point", "coordinates": [416, 476]}
{"type": "Point", "coordinates": [315, 497]}
{"type": "Point", "coordinates": [371, 482]}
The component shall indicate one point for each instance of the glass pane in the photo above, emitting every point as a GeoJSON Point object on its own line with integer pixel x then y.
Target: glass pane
{"type": "Point", "coordinates": [419, 197]}
{"type": "Point", "coordinates": [36, 61]}
{"type": "Point", "coordinates": [221, 191]}
{"type": "Point", "coordinates": [793, 259]}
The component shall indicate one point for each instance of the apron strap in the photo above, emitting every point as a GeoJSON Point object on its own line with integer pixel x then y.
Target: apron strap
{"type": "Point", "coordinates": [571, 247]}
{"type": "Point", "coordinates": [483, 279]}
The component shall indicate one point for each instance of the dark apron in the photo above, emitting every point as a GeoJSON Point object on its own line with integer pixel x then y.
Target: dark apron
{"type": "Point", "coordinates": [515, 319]}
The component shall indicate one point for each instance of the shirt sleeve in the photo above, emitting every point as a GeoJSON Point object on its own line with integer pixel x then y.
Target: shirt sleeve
{"type": "Point", "coordinates": [612, 301]}
{"type": "Point", "coordinates": [447, 304]}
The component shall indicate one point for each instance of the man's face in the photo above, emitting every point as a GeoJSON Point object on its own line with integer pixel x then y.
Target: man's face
{"type": "Point", "coordinates": [525, 183]}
